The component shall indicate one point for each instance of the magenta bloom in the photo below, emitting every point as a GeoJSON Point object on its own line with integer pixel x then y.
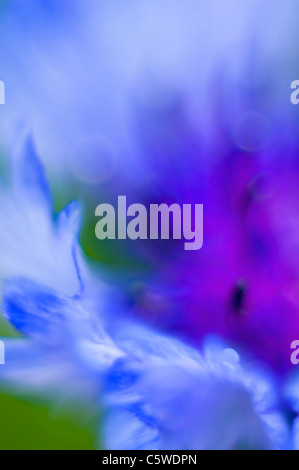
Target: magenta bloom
{"type": "Point", "coordinates": [243, 283]}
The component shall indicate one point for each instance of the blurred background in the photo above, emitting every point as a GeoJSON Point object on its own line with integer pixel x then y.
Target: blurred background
{"type": "Point", "coordinates": [164, 101]}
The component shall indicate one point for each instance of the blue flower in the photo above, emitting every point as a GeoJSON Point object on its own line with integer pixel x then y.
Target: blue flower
{"type": "Point", "coordinates": [157, 392]}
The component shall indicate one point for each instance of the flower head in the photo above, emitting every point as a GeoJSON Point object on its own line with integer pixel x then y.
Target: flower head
{"type": "Point", "coordinates": [158, 393]}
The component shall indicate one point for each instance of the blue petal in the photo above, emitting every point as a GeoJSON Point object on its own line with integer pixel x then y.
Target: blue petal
{"type": "Point", "coordinates": [69, 219]}
{"type": "Point", "coordinates": [68, 226]}
{"type": "Point", "coordinates": [29, 175]}
{"type": "Point", "coordinates": [31, 367]}
{"type": "Point", "coordinates": [35, 310]}
{"type": "Point", "coordinates": [124, 430]}
{"type": "Point", "coordinates": [31, 245]}
{"type": "Point", "coordinates": [143, 343]}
